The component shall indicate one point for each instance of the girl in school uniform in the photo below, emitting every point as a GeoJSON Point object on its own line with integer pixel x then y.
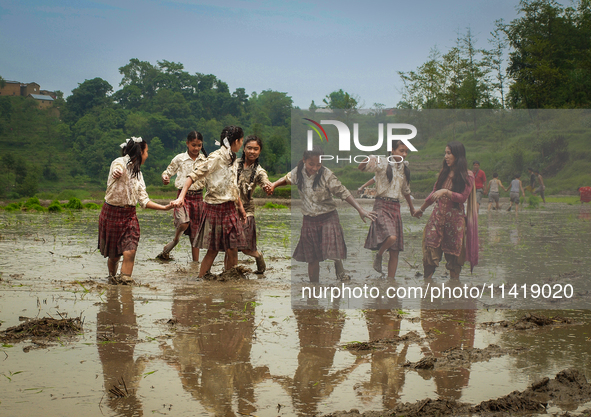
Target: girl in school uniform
{"type": "Point", "coordinates": [251, 174]}
{"type": "Point", "coordinates": [321, 236]}
{"type": "Point", "coordinates": [220, 228]}
{"type": "Point", "coordinates": [119, 229]}
{"type": "Point", "coordinates": [187, 217]}
{"type": "Point", "coordinates": [392, 185]}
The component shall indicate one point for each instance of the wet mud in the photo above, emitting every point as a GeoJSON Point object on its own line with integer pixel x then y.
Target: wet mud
{"type": "Point", "coordinates": [42, 330]}
{"type": "Point", "coordinates": [530, 321]}
{"type": "Point", "coordinates": [457, 357]}
{"type": "Point", "coordinates": [569, 386]}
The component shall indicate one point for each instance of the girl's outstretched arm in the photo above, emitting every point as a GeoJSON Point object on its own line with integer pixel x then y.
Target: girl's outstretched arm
{"type": "Point", "coordinates": [279, 183]}
{"type": "Point", "coordinates": [181, 198]}
{"type": "Point", "coordinates": [156, 206]}
{"type": "Point", "coordinates": [371, 215]}
{"type": "Point", "coordinates": [410, 204]}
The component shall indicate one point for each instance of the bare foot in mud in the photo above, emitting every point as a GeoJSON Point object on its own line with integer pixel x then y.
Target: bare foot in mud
{"type": "Point", "coordinates": [121, 279]}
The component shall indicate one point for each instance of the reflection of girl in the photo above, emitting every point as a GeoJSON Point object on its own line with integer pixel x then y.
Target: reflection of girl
{"type": "Point", "coordinates": [446, 231]}
{"type": "Point", "coordinates": [392, 180]}
{"type": "Point", "coordinates": [321, 236]}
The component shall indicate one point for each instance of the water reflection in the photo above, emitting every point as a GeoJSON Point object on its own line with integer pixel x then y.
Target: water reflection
{"type": "Point", "coordinates": [116, 337]}
{"type": "Point", "coordinates": [211, 349]}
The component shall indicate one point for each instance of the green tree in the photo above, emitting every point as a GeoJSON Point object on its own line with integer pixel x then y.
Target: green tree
{"type": "Point", "coordinates": [341, 100]}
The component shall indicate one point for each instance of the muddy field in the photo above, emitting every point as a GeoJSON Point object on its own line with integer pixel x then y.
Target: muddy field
{"type": "Point", "coordinates": [175, 345]}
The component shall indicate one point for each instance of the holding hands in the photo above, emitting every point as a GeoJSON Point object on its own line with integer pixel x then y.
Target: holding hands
{"type": "Point", "coordinates": [165, 179]}
{"type": "Point", "coordinates": [371, 215]}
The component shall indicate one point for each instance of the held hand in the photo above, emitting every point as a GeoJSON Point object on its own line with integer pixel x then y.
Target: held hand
{"type": "Point", "coordinates": [418, 213]}
{"type": "Point", "coordinates": [169, 206]}
{"type": "Point", "coordinates": [177, 203]}
{"type": "Point", "coordinates": [268, 188]}
{"type": "Point", "coordinates": [242, 214]}
{"type": "Point", "coordinates": [117, 173]}
{"type": "Point", "coordinates": [371, 215]}
{"type": "Point", "coordinates": [165, 179]}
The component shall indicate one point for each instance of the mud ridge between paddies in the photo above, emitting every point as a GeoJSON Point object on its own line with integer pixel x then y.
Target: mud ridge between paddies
{"type": "Point", "coordinates": [46, 329]}
{"type": "Point", "coordinates": [569, 387]}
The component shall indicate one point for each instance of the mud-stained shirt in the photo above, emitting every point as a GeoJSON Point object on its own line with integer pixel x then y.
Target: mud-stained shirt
{"type": "Point", "coordinates": [181, 166]}
{"type": "Point", "coordinates": [125, 190]}
{"type": "Point", "coordinates": [260, 179]}
{"type": "Point", "coordinates": [398, 188]}
{"type": "Point", "coordinates": [318, 201]}
{"type": "Point", "coordinates": [219, 177]}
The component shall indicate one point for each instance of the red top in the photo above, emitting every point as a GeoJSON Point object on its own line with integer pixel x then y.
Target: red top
{"type": "Point", "coordinates": [480, 179]}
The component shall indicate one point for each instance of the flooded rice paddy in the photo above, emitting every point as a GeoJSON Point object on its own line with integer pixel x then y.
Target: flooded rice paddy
{"type": "Point", "coordinates": [174, 345]}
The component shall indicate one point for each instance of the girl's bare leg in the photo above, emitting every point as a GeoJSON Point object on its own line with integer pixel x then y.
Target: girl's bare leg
{"type": "Point", "coordinates": [195, 253]}
{"type": "Point", "coordinates": [207, 262]}
{"type": "Point", "coordinates": [393, 263]}
{"type": "Point", "coordinates": [231, 258]}
{"type": "Point", "coordinates": [177, 236]}
{"type": "Point", "coordinates": [128, 262]}
{"type": "Point", "coordinates": [112, 264]}
{"type": "Point", "coordinates": [261, 266]}
{"type": "Point", "coordinates": [377, 263]}
{"type": "Point", "coordinates": [314, 271]}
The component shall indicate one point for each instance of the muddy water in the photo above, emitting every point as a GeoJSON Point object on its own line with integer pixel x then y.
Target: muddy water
{"type": "Point", "coordinates": [178, 346]}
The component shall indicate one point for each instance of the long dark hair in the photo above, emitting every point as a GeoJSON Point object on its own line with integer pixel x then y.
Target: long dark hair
{"type": "Point", "coordinates": [259, 142]}
{"type": "Point", "coordinates": [194, 135]}
{"type": "Point", "coordinates": [316, 151]}
{"type": "Point", "coordinates": [233, 133]}
{"type": "Point", "coordinates": [460, 178]}
{"type": "Point", "coordinates": [134, 150]}
{"type": "Point", "coordinates": [389, 172]}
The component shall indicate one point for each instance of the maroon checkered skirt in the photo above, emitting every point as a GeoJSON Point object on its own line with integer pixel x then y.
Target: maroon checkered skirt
{"type": "Point", "coordinates": [387, 224]}
{"type": "Point", "coordinates": [250, 234]}
{"type": "Point", "coordinates": [191, 212]}
{"type": "Point", "coordinates": [220, 228]}
{"type": "Point", "coordinates": [119, 230]}
{"type": "Point", "coordinates": [321, 238]}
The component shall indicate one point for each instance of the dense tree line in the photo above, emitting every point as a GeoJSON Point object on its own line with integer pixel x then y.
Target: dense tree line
{"type": "Point", "coordinates": [548, 66]}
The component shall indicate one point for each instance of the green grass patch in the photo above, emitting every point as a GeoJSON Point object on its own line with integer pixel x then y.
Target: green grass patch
{"type": "Point", "coordinates": [271, 205]}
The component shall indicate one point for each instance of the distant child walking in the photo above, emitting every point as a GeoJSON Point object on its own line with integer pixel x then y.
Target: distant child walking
{"type": "Point", "coordinates": [516, 186]}
{"type": "Point", "coordinates": [392, 185]}
{"type": "Point", "coordinates": [251, 174]}
{"type": "Point", "coordinates": [321, 236]}
{"type": "Point", "coordinates": [220, 228]}
{"type": "Point", "coordinates": [541, 188]}
{"type": "Point", "coordinates": [119, 229]}
{"type": "Point", "coordinates": [493, 191]}
{"type": "Point", "coordinates": [479, 181]}
{"type": "Point", "coordinates": [187, 217]}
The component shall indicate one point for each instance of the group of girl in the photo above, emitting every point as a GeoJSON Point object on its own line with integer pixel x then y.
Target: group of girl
{"type": "Point", "coordinates": [450, 230]}
{"type": "Point", "coordinates": [223, 220]}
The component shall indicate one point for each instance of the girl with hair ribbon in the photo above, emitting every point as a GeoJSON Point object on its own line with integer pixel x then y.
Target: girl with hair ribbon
{"type": "Point", "coordinates": [119, 229]}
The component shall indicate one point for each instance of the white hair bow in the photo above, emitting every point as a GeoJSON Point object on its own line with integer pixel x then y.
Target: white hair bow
{"type": "Point", "coordinates": [136, 140]}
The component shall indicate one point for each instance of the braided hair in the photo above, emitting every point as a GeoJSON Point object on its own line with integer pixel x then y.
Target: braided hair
{"type": "Point", "coordinates": [232, 133]}
{"type": "Point", "coordinates": [389, 172]}
{"type": "Point", "coordinates": [194, 135]}
{"type": "Point", "coordinates": [259, 142]}
{"type": "Point", "coordinates": [316, 151]}
{"type": "Point", "coordinates": [134, 150]}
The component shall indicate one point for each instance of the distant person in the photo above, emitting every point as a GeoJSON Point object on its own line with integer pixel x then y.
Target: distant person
{"type": "Point", "coordinates": [479, 182]}
{"type": "Point", "coordinates": [516, 186]}
{"type": "Point", "coordinates": [585, 194]}
{"type": "Point", "coordinates": [493, 191]}
{"type": "Point", "coordinates": [541, 187]}
{"type": "Point", "coordinates": [119, 229]}
{"type": "Point", "coordinates": [188, 217]}
{"type": "Point", "coordinates": [532, 181]}
{"type": "Point", "coordinates": [392, 185]}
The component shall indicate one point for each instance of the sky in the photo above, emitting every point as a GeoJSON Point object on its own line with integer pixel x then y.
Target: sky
{"type": "Point", "coordinates": [305, 49]}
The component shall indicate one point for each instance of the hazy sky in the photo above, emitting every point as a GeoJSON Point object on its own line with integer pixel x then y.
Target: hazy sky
{"type": "Point", "coordinates": [306, 49]}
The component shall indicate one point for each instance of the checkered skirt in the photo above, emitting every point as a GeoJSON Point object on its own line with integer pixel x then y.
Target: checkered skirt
{"type": "Point", "coordinates": [191, 212]}
{"type": "Point", "coordinates": [387, 224]}
{"type": "Point", "coordinates": [119, 230]}
{"type": "Point", "coordinates": [250, 235]}
{"type": "Point", "coordinates": [220, 228]}
{"type": "Point", "coordinates": [321, 238]}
